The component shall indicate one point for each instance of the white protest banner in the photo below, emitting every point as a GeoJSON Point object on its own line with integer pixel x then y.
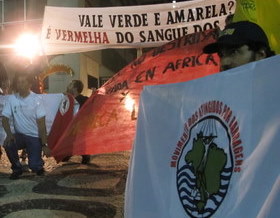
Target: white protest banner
{"type": "Point", "coordinates": [71, 30]}
{"type": "Point", "coordinates": [209, 147]}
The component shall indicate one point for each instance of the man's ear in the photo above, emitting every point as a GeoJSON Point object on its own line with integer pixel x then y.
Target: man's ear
{"type": "Point", "coordinates": [261, 54]}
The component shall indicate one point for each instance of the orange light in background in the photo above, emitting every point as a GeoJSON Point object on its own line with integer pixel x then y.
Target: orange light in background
{"type": "Point", "coordinates": [28, 45]}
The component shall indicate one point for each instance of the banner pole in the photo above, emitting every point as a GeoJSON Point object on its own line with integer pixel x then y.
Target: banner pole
{"type": "Point", "coordinates": [139, 52]}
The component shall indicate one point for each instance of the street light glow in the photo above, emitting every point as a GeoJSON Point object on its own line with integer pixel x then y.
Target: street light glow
{"type": "Point", "coordinates": [28, 45]}
{"type": "Point", "coordinates": [129, 104]}
{"type": "Point", "coordinates": [174, 4]}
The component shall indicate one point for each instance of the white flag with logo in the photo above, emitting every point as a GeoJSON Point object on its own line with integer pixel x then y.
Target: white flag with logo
{"type": "Point", "coordinates": [209, 147]}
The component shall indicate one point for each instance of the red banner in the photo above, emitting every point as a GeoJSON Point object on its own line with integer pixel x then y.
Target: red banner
{"type": "Point", "coordinates": [106, 123]}
{"type": "Point", "coordinates": [62, 119]}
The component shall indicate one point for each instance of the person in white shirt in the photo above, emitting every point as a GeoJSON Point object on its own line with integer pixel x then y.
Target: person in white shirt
{"type": "Point", "coordinates": [26, 109]}
{"type": "Point", "coordinates": [4, 87]}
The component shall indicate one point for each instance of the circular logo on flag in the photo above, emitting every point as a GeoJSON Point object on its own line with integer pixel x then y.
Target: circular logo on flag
{"type": "Point", "coordinates": [64, 105]}
{"type": "Point", "coordinates": [205, 167]}
{"type": "Point", "coordinates": [206, 155]}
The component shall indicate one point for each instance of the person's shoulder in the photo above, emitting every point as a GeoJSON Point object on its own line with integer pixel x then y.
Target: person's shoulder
{"type": "Point", "coordinates": [81, 99]}
{"type": "Point", "coordinates": [33, 94]}
{"type": "Point", "coordinates": [85, 97]}
{"type": "Point", "coordinates": [11, 97]}
{"type": "Point", "coordinates": [36, 97]}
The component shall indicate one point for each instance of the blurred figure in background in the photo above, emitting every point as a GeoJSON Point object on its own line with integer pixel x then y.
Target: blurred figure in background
{"type": "Point", "coordinates": [26, 109]}
{"type": "Point", "coordinates": [4, 90]}
{"type": "Point", "coordinates": [75, 88]}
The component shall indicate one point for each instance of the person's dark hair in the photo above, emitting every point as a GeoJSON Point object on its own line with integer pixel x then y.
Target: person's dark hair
{"type": "Point", "coordinates": [3, 75]}
{"type": "Point", "coordinates": [241, 33]}
{"type": "Point", "coordinates": [254, 46]}
{"type": "Point", "coordinates": [228, 19]}
{"type": "Point", "coordinates": [29, 78]}
{"type": "Point", "coordinates": [78, 85]}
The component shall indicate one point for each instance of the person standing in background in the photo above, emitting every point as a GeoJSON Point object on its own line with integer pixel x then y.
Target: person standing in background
{"type": "Point", "coordinates": [26, 109]}
{"type": "Point", "coordinates": [4, 90]}
{"type": "Point", "coordinates": [75, 88]}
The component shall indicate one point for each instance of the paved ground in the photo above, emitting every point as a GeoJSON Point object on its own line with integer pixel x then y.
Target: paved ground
{"type": "Point", "coordinates": [67, 189]}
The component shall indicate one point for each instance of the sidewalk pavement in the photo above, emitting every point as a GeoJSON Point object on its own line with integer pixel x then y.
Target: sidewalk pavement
{"type": "Point", "coordinates": [68, 189]}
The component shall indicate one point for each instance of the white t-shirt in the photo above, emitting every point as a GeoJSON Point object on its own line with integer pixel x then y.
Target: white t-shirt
{"type": "Point", "coordinates": [25, 112]}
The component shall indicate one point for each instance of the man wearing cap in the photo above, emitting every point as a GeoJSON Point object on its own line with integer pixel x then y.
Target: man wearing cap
{"type": "Point", "coordinates": [240, 43]}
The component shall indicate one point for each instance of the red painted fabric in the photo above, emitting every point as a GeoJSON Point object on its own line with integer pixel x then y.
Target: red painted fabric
{"type": "Point", "coordinates": [104, 124]}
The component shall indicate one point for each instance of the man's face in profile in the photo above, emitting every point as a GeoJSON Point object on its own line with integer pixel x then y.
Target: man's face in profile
{"type": "Point", "coordinates": [231, 57]}
{"type": "Point", "coordinates": [70, 88]}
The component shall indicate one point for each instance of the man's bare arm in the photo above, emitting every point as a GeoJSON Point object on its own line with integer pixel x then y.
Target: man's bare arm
{"type": "Point", "coordinates": [43, 135]}
{"type": "Point", "coordinates": [6, 125]}
{"type": "Point", "coordinates": [42, 130]}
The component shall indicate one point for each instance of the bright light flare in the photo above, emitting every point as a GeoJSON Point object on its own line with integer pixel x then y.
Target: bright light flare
{"type": "Point", "coordinates": [129, 104]}
{"type": "Point", "coordinates": [174, 2]}
{"type": "Point", "coordinates": [28, 45]}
